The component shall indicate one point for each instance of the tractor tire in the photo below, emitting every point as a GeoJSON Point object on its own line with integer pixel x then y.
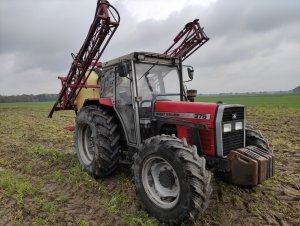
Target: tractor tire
{"type": "Point", "coordinates": [255, 138]}
{"type": "Point", "coordinates": [171, 179]}
{"type": "Point", "coordinates": [97, 141]}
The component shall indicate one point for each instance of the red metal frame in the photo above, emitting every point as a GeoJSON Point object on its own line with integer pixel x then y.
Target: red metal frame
{"type": "Point", "coordinates": [191, 38]}
{"type": "Point", "coordinates": [102, 29]}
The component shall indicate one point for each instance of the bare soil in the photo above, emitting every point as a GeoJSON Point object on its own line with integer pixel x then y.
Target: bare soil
{"type": "Point", "coordinates": [41, 181]}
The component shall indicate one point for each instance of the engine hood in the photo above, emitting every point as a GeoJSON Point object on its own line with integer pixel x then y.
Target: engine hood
{"type": "Point", "coordinates": [189, 111]}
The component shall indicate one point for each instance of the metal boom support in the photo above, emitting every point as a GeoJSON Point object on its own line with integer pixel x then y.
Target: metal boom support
{"type": "Point", "coordinates": [105, 23]}
{"type": "Point", "coordinates": [191, 38]}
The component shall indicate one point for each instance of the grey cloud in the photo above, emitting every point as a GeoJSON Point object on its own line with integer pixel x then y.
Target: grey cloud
{"type": "Point", "coordinates": [231, 17]}
{"type": "Point", "coordinates": [251, 42]}
{"type": "Point", "coordinates": [42, 34]}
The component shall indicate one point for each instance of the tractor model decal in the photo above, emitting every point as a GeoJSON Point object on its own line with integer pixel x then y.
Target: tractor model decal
{"type": "Point", "coordinates": [183, 115]}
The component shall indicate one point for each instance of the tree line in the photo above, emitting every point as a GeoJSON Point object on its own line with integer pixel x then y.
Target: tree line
{"type": "Point", "coordinates": [28, 98]}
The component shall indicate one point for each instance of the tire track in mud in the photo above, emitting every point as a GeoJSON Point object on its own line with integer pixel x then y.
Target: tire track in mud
{"type": "Point", "coordinates": [76, 207]}
{"type": "Point", "coordinates": [72, 203]}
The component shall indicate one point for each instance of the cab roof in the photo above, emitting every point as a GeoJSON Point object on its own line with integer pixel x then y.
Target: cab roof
{"type": "Point", "coordinates": [144, 57]}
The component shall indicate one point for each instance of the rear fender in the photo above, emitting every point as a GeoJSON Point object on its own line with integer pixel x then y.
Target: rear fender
{"type": "Point", "coordinates": [98, 102]}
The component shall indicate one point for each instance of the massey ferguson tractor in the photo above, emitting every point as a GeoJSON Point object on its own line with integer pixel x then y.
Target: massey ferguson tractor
{"type": "Point", "coordinates": [136, 110]}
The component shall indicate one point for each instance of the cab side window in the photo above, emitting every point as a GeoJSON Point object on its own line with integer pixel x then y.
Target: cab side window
{"type": "Point", "coordinates": [107, 83]}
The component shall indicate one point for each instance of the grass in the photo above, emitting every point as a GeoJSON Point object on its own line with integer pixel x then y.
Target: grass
{"type": "Point", "coordinates": [80, 222]}
{"type": "Point", "coordinates": [27, 105]}
{"type": "Point", "coordinates": [28, 198]}
{"type": "Point", "coordinates": [276, 100]}
{"type": "Point", "coordinates": [120, 202]}
{"type": "Point", "coordinates": [16, 187]}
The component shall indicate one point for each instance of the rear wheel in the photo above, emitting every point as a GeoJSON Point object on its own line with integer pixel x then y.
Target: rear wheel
{"type": "Point", "coordinates": [171, 179]}
{"type": "Point", "coordinates": [97, 141]}
{"type": "Point", "coordinates": [255, 138]}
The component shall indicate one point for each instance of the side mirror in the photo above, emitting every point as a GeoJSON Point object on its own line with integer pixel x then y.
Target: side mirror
{"type": "Point", "coordinates": [190, 73]}
{"type": "Point", "coordinates": [123, 69]}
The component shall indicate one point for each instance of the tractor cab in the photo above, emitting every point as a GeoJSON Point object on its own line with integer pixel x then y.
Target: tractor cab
{"type": "Point", "coordinates": [135, 82]}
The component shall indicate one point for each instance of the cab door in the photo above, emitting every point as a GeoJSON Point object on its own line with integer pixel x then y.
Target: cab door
{"type": "Point", "coordinates": [124, 105]}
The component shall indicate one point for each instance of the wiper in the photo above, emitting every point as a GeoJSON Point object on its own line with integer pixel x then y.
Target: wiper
{"type": "Point", "coordinates": [147, 72]}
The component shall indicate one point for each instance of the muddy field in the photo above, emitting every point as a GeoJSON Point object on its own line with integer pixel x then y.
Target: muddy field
{"type": "Point", "coordinates": [41, 182]}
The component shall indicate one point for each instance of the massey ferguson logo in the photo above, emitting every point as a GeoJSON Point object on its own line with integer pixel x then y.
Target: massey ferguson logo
{"type": "Point", "coordinates": [234, 116]}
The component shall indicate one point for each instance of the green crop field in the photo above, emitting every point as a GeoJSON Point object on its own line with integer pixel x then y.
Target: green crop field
{"type": "Point", "coordinates": [27, 105]}
{"type": "Point", "coordinates": [276, 100]}
{"type": "Point", "coordinates": [42, 183]}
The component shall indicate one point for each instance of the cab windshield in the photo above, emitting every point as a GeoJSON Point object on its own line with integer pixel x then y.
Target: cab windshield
{"type": "Point", "coordinates": [161, 80]}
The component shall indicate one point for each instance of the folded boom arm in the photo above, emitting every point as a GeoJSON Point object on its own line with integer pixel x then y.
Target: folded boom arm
{"type": "Point", "coordinates": [191, 38]}
{"type": "Point", "coordinates": [102, 29]}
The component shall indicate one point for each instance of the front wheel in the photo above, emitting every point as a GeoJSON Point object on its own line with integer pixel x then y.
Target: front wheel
{"type": "Point", "coordinates": [171, 179]}
{"type": "Point", "coordinates": [254, 137]}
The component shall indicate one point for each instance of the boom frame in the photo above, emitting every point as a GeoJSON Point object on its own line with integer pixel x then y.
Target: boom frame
{"type": "Point", "coordinates": [188, 40]}
{"type": "Point", "coordinates": [103, 27]}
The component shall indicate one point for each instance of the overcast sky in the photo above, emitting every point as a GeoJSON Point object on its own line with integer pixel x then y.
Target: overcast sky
{"type": "Point", "coordinates": [254, 45]}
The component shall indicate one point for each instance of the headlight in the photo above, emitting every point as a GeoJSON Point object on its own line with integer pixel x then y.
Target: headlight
{"type": "Point", "coordinates": [238, 125]}
{"type": "Point", "coordinates": [227, 127]}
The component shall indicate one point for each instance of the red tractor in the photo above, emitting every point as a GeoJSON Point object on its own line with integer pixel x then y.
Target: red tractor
{"type": "Point", "coordinates": [143, 116]}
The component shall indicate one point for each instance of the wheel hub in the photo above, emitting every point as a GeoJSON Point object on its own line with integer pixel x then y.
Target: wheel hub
{"type": "Point", "coordinates": [86, 143]}
{"type": "Point", "coordinates": [166, 178]}
{"type": "Point", "coordinates": [160, 182]}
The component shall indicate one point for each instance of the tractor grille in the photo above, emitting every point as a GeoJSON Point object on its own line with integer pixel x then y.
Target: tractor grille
{"type": "Point", "coordinates": [235, 138]}
{"type": "Point", "coordinates": [229, 112]}
{"type": "Point", "coordinates": [232, 140]}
